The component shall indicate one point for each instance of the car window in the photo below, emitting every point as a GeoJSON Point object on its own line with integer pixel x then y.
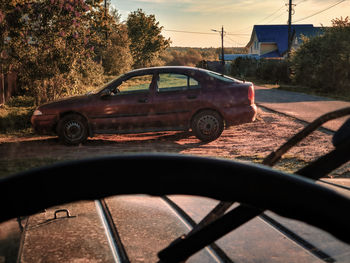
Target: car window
{"type": "Point", "coordinates": [193, 84]}
{"type": "Point", "coordinates": [221, 77]}
{"type": "Point", "coordinates": [175, 82]}
{"type": "Point", "coordinates": [135, 84]}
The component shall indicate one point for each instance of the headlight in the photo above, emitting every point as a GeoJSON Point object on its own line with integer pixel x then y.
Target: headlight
{"type": "Point", "coordinates": [37, 113]}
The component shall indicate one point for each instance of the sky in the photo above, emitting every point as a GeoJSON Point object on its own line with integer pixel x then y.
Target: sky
{"type": "Point", "coordinates": [237, 17]}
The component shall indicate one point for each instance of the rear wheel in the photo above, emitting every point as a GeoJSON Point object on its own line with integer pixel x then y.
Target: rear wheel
{"type": "Point", "coordinates": [207, 125]}
{"type": "Point", "coordinates": [72, 129]}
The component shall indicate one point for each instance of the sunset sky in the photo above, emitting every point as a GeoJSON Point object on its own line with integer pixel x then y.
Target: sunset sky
{"type": "Point", "coordinates": [237, 17]}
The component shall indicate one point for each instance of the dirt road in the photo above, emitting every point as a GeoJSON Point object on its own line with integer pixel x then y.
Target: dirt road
{"type": "Point", "coordinates": [251, 141]}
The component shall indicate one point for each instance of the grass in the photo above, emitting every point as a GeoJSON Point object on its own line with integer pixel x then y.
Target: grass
{"type": "Point", "coordinates": [287, 164]}
{"type": "Point", "coordinates": [12, 166]}
{"type": "Point", "coordinates": [15, 115]}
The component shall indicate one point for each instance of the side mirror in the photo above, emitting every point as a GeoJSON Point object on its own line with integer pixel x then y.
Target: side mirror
{"type": "Point", "coordinates": [342, 135]}
{"type": "Point", "coordinates": [105, 93]}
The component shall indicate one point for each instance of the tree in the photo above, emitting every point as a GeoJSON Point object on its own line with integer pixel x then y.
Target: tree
{"type": "Point", "coordinates": [190, 57]}
{"type": "Point", "coordinates": [51, 43]}
{"type": "Point", "coordinates": [323, 62]}
{"type": "Point", "coordinates": [146, 40]}
{"type": "Point", "coordinates": [116, 56]}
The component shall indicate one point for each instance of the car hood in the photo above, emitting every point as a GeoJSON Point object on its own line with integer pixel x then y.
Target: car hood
{"type": "Point", "coordinates": [145, 225]}
{"type": "Point", "coordinates": [79, 100]}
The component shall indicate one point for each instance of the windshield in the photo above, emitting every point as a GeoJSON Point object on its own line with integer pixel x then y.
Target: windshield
{"type": "Point", "coordinates": [222, 77]}
{"type": "Point", "coordinates": [293, 72]}
{"type": "Point", "coordinates": [108, 84]}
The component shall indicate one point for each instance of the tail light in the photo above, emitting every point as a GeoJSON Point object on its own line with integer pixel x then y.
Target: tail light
{"type": "Point", "coordinates": [251, 94]}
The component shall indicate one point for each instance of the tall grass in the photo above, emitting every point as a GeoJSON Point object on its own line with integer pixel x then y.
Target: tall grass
{"type": "Point", "coordinates": [15, 115]}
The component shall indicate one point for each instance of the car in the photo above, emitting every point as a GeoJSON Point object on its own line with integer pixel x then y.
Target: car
{"type": "Point", "coordinates": [113, 224]}
{"type": "Point", "coordinates": [152, 99]}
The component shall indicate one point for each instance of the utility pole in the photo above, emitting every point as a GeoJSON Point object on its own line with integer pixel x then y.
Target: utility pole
{"type": "Point", "coordinates": [222, 47]}
{"type": "Point", "coordinates": [290, 8]}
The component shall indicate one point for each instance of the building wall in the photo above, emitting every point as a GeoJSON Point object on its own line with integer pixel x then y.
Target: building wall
{"type": "Point", "coordinates": [254, 47]}
{"type": "Point", "coordinates": [267, 47]}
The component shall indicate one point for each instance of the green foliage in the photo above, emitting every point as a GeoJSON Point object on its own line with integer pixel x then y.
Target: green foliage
{"type": "Point", "coordinates": [146, 40]}
{"type": "Point", "coordinates": [185, 56]}
{"type": "Point", "coordinates": [21, 101]}
{"type": "Point", "coordinates": [12, 166]}
{"type": "Point", "coordinates": [275, 71]}
{"type": "Point", "coordinates": [116, 57]}
{"type": "Point", "coordinates": [63, 47]}
{"type": "Point", "coordinates": [189, 58]}
{"type": "Point", "coordinates": [323, 63]}
{"type": "Point", "coordinates": [270, 70]}
{"type": "Point", "coordinates": [51, 46]}
{"type": "Point", "coordinates": [14, 119]}
{"type": "Point", "coordinates": [244, 67]}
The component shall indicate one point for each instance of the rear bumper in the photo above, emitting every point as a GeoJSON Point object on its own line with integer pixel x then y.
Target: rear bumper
{"type": "Point", "coordinates": [44, 124]}
{"type": "Point", "coordinates": [239, 115]}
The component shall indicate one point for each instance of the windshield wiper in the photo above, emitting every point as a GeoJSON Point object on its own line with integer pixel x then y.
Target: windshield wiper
{"type": "Point", "coordinates": [215, 224]}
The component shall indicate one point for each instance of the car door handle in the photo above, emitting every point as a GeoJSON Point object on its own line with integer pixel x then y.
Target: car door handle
{"type": "Point", "coordinates": [143, 100]}
{"type": "Point", "coordinates": [191, 97]}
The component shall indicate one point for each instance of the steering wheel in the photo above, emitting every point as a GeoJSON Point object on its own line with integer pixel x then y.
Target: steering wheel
{"type": "Point", "coordinates": [162, 174]}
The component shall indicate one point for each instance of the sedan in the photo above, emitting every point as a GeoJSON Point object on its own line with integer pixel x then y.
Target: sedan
{"type": "Point", "coordinates": [152, 99]}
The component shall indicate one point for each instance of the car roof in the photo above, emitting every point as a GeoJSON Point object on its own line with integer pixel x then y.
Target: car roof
{"type": "Point", "coordinates": [167, 69]}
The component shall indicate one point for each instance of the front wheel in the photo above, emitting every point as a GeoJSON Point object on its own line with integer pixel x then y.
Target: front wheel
{"type": "Point", "coordinates": [72, 129]}
{"type": "Point", "coordinates": [207, 125]}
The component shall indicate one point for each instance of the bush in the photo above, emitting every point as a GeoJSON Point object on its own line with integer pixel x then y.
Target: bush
{"type": "Point", "coordinates": [275, 71]}
{"type": "Point", "coordinates": [323, 63]}
{"type": "Point", "coordinates": [15, 119]}
{"type": "Point", "coordinates": [244, 67]}
{"type": "Point", "coordinates": [265, 69]}
{"type": "Point", "coordinates": [20, 101]}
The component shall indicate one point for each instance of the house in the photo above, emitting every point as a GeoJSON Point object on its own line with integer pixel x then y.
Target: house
{"type": "Point", "coordinates": [271, 41]}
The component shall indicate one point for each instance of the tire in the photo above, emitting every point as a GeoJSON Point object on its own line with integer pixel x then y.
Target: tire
{"type": "Point", "coordinates": [207, 125]}
{"type": "Point", "coordinates": [72, 129]}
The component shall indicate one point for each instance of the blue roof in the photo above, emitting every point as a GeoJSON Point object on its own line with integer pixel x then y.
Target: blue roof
{"type": "Point", "coordinates": [272, 54]}
{"type": "Point", "coordinates": [279, 34]}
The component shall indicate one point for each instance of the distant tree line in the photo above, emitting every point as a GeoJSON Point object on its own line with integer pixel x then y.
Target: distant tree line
{"type": "Point", "coordinates": [62, 47]}
{"type": "Point", "coordinates": [321, 63]}
{"type": "Point", "coordinates": [186, 56]}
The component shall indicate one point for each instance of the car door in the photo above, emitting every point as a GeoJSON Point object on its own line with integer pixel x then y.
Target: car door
{"type": "Point", "coordinates": [176, 96]}
{"type": "Point", "coordinates": [127, 108]}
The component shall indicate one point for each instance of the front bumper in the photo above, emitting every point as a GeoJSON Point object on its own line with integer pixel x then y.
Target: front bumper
{"type": "Point", "coordinates": [44, 124]}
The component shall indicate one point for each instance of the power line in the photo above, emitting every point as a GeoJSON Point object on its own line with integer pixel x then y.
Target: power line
{"type": "Point", "coordinates": [275, 18]}
{"type": "Point", "coordinates": [233, 41]}
{"type": "Point", "coordinates": [189, 32]}
{"type": "Point", "coordinates": [270, 15]}
{"type": "Point", "coordinates": [203, 33]}
{"type": "Point", "coordinates": [300, 2]}
{"type": "Point", "coordinates": [321, 11]}
{"type": "Point", "coordinates": [273, 13]}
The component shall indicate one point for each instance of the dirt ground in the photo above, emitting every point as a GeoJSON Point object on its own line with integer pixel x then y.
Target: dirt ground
{"type": "Point", "coordinates": [251, 142]}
